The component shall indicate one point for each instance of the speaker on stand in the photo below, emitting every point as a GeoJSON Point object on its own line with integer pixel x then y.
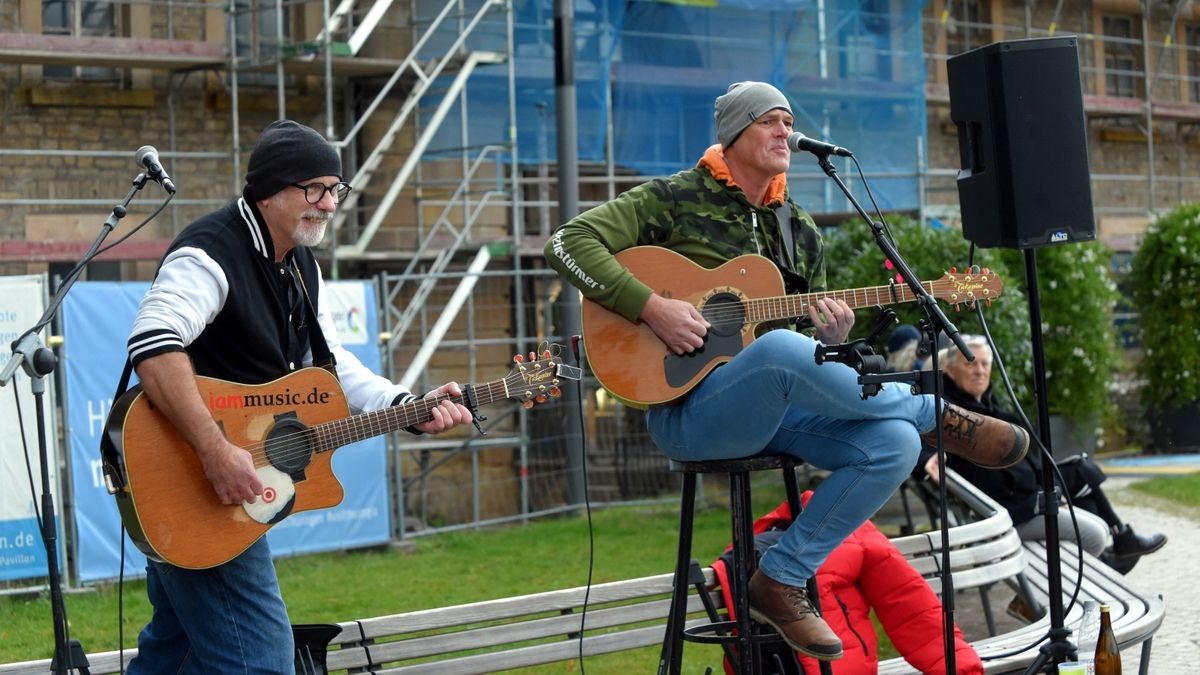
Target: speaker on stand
{"type": "Point", "coordinates": [1025, 183]}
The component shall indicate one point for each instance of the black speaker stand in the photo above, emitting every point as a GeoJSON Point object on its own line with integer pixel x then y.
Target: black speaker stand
{"type": "Point", "coordinates": [1059, 648]}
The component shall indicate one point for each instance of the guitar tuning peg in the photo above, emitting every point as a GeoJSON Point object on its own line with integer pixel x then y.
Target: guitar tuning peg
{"type": "Point", "coordinates": [953, 270]}
{"type": "Point", "coordinates": [518, 358]}
{"type": "Point", "coordinates": [527, 404]}
{"type": "Point", "coordinates": [555, 392]}
{"type": "Point", "coordinates": [533, 357]}
{"type": "Point", "coordinates": [540, 398]}
{"type": "Point", "coordinates": [546, 355]}
{"type": "Point", "coordinates": [975, 269]}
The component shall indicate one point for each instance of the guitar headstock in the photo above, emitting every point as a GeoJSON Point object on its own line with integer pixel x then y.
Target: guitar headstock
{"type": "Point", "coordinates": [972, 285]}
{"type": "Point", "coordinates": [535, 379]}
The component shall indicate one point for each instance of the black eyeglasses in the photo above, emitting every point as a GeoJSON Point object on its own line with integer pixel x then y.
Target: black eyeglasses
{"type": "Point", "coordinates": [315, 192]}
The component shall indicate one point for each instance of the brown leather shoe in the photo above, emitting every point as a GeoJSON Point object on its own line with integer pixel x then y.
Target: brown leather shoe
{"type": "Point", "coordinates": [980, 439]}
{"type": "Point", "coordinates": [788, 610]}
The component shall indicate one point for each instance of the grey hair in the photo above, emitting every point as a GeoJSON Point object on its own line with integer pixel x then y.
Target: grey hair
{"type": "Point", "coordinates": [951, 355]}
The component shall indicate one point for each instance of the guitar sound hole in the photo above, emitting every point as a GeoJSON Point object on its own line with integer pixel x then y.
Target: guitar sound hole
{"type": "Point", "coordinates": [726, 313]}
{"type": "Point", "coordinates": [288, 446]}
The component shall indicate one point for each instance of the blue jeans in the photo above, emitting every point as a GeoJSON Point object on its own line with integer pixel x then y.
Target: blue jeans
{"type": "Point", "coordinates": [227, 619]}
{"type": "Point", "coordinates": [773, 398]}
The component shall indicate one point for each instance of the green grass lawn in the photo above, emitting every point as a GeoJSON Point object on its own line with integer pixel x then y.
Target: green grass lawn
{"type": "Point", "coordinates": [441, 570]}
{"type": "Point", "coordinates": [1182, 490]}
{"type": "Point", "coordinates": [460, 567]}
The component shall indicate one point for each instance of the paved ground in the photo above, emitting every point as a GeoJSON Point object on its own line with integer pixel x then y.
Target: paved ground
{"type": "Point", "coordinates": [1169, 573]}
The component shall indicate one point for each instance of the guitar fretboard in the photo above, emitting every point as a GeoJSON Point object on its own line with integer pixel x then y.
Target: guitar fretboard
{"type": "Point", "coordinates": [355, 428]}
{"type": "Point", "coordinates": [788, 306]}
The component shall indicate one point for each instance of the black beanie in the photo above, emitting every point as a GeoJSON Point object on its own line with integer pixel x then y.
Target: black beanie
{"type": "Point", "coordinates": [288, 152]}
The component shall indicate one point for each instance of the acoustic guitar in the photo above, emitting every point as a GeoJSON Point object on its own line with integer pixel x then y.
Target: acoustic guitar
{"type": "Point", "coordinates": [290, 426]}
{"type": "Point", "coordinates": [636, 367]}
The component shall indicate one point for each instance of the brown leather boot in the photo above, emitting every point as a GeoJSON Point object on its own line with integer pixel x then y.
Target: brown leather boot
{"type": "Point", "coordinates": [788, 610]}
{"type": "Point", "coordinates": [980, 439]}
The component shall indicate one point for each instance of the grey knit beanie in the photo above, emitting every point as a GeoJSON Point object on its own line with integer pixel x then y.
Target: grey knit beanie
{"type": "Point", "coordinates": [743, 103]}
{"type": "Point", "coordinates": [288, 152]}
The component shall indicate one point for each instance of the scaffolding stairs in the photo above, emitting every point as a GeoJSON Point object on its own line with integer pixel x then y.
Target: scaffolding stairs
{"type": "Point", "coordinates": [422, 78]}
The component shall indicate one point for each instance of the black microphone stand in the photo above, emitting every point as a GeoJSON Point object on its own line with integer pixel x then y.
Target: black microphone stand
{"type": "Point", "coordinates": [1059, 648]}
{"type": "Point", "coordinates": [37, 361]}
{"type": "Point", "coordinates": [937, 320]}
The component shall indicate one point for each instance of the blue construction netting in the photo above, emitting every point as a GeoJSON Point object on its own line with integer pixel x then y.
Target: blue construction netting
{"type": "Point", "coordinates": [853, 70]}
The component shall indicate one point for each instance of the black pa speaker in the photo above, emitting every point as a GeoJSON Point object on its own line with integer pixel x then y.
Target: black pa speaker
{"type": "Point", "coordinates": [1022, 140]}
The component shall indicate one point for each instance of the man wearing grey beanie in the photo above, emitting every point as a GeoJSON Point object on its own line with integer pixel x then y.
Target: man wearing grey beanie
{"type": "Point", "coordinates": [239, 297]}
{"type": "Point", "coordinates": [732, 203]}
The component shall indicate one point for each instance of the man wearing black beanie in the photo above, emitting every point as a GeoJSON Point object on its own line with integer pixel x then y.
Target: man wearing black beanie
{"type": "Point", "coordinates": [239, 297]}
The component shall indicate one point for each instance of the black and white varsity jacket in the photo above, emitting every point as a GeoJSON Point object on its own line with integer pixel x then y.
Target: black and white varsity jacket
{"type": "Point", "coordinates": [221, 297]}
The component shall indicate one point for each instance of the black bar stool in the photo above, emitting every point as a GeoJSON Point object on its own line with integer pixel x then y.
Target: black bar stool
{"type": "Point", "coordinates": [744, 563]}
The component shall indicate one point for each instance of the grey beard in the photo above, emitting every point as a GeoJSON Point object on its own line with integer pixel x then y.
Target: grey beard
{"type": "Point", "coordinates": [309, 235]}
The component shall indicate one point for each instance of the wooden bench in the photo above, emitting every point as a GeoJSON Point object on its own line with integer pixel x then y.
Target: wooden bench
{"type": "Point", "coordinates": [540, 628]}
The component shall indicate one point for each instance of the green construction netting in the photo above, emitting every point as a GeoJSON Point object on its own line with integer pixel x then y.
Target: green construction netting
{"type": "Point", "coordinates": [853, 70]}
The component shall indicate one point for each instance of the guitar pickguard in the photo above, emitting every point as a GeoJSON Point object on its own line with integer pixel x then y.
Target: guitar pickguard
{"type": "Point", "coordinates": [277, 499]}
{"type": "Point", "coordinates": [679, 370]}
{"type": "Point", "coordinates": [725, 313]}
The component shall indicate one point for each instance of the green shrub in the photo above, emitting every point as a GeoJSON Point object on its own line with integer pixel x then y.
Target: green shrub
{"type": "Point", "coordinates": [853, 259]}
{"type": "Point", "coordinates": [1165, 279]}
{"type": "Point", "coordinates": [1076, 294]}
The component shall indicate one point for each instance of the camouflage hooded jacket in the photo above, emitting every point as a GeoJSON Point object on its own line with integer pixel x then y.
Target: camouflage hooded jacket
{"type": "Point", "coordinates": [699, 213]}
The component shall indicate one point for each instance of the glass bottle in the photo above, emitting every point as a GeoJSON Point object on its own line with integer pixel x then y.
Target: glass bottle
{"type": "Point", "coordinates": [1089, 634]}
{"type": "Point", "coordinates": [1108, 657]}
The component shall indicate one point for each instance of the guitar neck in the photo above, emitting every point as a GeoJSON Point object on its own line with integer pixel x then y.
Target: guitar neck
{"type": "Point", "coordinates": [789, 306]}
{"type": "Point", "coordinates": [332, 435]}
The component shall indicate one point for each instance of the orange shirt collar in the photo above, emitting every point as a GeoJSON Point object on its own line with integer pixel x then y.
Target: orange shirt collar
{"type": "Point", "coordinates": [714, 161]}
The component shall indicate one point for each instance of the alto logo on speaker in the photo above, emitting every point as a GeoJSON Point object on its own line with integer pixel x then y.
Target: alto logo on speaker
{"type": "Point", "coordinates": [1059, 236]}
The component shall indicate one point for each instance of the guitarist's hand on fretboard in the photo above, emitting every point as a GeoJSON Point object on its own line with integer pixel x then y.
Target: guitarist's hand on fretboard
{"type": "Point", "coordinates": [447, 413]}
{"type": "Point", "coordinates": [678, 324]}
{"type": "Point", "coordinates": [833, 319]}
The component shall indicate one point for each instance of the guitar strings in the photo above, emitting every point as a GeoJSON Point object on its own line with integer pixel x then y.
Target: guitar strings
{"type": "Point", "coordinates": [722, 311]}
{"type": "Point", "coordinates": [336, 433]}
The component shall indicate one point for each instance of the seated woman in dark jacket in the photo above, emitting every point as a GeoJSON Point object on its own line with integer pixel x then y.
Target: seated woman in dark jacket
{"type": "Point", "coordinates": [1016, 488]}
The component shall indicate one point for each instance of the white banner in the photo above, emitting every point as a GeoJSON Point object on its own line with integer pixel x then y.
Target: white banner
{"type": "Point", "coordinates": [22, 554]}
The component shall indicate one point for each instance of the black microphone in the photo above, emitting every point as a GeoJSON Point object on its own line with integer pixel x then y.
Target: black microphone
{"type": "Point", "coordinates": [799, 142]}
{"type": "Point", "coordinates": [147, 156]}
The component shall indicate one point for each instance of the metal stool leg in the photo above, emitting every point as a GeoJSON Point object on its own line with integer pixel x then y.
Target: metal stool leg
{"type": "Point", "coordinates": [671, 658]}
{"type": "Point", "coordinates": [743, 567]}
{"type": "Point", "coordinates": [793, 497]}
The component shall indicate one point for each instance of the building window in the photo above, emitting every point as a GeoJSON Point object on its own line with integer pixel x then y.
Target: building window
{"type": "Point", "coordinates": [1192, 45]}
{"type": "Point", "coordinates": [1122, 57]}
{"type": "Point", "coordinates": [968, 27]}
{"type": "Point", "coordinates": [257, 37]}
{"type": "Point", "coordinates": [85, 19]}
{"type": "Point", "coordinates": [864, 41]}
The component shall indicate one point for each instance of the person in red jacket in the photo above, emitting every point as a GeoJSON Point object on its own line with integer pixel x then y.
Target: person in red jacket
{"type": "Point", "coordinates": [865, 572]}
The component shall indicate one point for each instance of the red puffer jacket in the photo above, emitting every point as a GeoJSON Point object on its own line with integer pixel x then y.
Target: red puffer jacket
{"type": "Point", "coordinates": [867, 572]}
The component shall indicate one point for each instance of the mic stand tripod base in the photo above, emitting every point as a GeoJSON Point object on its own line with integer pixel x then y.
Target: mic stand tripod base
{"type": "Point", "coordinates": [1058, 650]}
{"type": "Point", "coordinates": [76, 659]}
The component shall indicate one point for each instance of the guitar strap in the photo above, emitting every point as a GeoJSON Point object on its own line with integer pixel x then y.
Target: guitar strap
{"type": "Point", "coordinates": [783, 213]}
{"type": "Point", "coordinates": [786, 259]}
{"type": "Point", "coordinates": [110, 458]}
{"type": "Point", "coordinates": [322, 355]}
